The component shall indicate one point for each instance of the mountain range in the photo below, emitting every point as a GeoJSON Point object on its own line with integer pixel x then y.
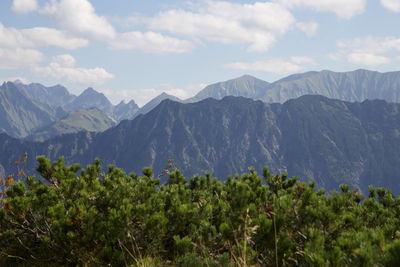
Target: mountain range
{"type": "Point", "coordinates": [313, 137]}
{"type": "Point", "coordinates": [91, 120]}
{"type": "Point", "coordinates": [54, 96]}
{"type": "Point", "coordinates": [37, 112]}
{"type": "Point", "coordinates": [21, 115]}
{"type": "Point", "coordinates": [47, 105]}
{"type": "Point", "coordinates": [357, 85]}
{"type": "Point", "coordinates": [321, 126]}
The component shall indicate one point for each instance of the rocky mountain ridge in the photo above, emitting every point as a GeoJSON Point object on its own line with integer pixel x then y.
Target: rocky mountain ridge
{"type": "Point", "coordinates": [315, 138]}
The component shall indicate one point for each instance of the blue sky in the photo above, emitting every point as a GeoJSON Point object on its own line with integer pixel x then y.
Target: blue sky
{"type": "Point", "coordinates": [135, 49]}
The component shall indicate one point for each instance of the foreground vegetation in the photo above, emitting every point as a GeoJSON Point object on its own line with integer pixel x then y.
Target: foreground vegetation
{"type": "Point", "coordinates": [95, 218]}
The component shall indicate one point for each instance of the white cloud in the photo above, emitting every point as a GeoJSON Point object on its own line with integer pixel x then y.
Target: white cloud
{"type": "Point", "coordinates": [336, 56]}
{"type": "Point", "coordinates": [371, 44]}
{"type": "Point", "coordinates": [368, 51]}
{"type": "Point", "coordinates": [344, 9]}
{"type": "Point", "coordinates": [302, 60]}
{"type": "Point", "coordinates": [150, 42]}
{"type": "Point", "coordinates": [63, 67]}
{"type": "Point", "coordinates": [392, 5]}
{"type": "Point", "coordinates": [309, 28]}
{"type": "Point", "coordinates": [24, 6]}
{"type": "Point", "coordinates": [15, 58]}
{"type": "Point", "coordinates": [257, 24]}
{"type": "Point", "coordinates": [274, 65]}
{"type": "Point", "coordinates": [367, 59]}
{"type": "Point", "coordinates": [53, 37]}
{"type": "Point", "coordinates": [38, 37]}
{"type": "Point", "coordinates": [79, 17]}
{"type": "Point", "coordinates": [142, 96]}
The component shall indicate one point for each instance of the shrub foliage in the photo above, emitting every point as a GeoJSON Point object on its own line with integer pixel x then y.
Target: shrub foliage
{"type": "Point", "coordinates": [88, 218]}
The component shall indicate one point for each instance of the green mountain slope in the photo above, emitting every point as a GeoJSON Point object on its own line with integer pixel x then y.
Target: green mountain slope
{"type": "Point", "coordinates": [91, 120]}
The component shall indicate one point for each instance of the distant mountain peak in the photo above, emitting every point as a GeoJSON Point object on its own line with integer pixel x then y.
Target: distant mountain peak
{"type": "Point", "coordinates": [166, 95]}
{"type": "Point", "coordinates": [90, 90]}
{"type": "Point", "coordinates": [18, 81]}
{"type": "Point", "coordinates": [156, 101]}
{"type": "Point", "coordinates": [247, 77]}
{"type": "Point", "coordinates": [245, 85]}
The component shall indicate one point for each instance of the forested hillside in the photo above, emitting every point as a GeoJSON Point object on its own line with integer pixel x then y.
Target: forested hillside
{"type": "Point", "coordinates": [87, 217]}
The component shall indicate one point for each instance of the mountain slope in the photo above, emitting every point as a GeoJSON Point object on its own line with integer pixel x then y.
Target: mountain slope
{"type": "Point", "coordinates": [313, 137]}
{"type": "Point", "coordinates": [357, 85]}
{"type": "Point", "coordinates": [21, 115]}
{"type": "Point", "coordinates": [90, 98]}
{"type": "Point", "coordinates": [125, 111]}
{"type": "Point", "coordinates": [246, 86]}
{"type": "Point", "coordinates": [91, 120]}
{"type": "Point", "coordinates": [54, 96]}
{"type": "Point", "coordinates": [155, 102]}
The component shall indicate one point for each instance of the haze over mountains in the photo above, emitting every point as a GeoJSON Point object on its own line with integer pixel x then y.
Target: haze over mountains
{"type": "Point", "coordinates": [324, 139]}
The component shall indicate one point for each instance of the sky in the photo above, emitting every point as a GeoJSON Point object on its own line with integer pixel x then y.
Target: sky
{"type": "Point", "coordinates": [135, 49]}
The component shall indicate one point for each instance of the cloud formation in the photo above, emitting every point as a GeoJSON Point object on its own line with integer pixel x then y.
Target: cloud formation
{"type": "Point", "coordinates": [344, 9]}
{"type": "Point", "coordinates": [38, 37]}
{"type": "Point", "coordinates": [257, 24]}
{"type": "Point", "coordinates": [79, 17]}
{"type": "Point", "coordinates": [367, 59]}
{"type": "Point", "coordinates": [273, 65]}
{"type": "Point", "coordinates": [64, 67]}
{"type": "Point", "coordinates": [150, 42]}
{"type": "Point", "coordinates": [19, 58]}
{"type": "Point", "coordinates": [368, 51]}
{"type": "Point", "coordinates": [392, 5]}
{"type": "Point", "coordinates": [24, 6]}
{"type": "Point", "coordinates": [309, 28]}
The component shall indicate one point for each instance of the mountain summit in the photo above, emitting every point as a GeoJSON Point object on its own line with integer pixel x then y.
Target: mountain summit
{"type": "Point", "coordinates": [90, 98]}
{"type": "Point", "coordinates": [246, 86]}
